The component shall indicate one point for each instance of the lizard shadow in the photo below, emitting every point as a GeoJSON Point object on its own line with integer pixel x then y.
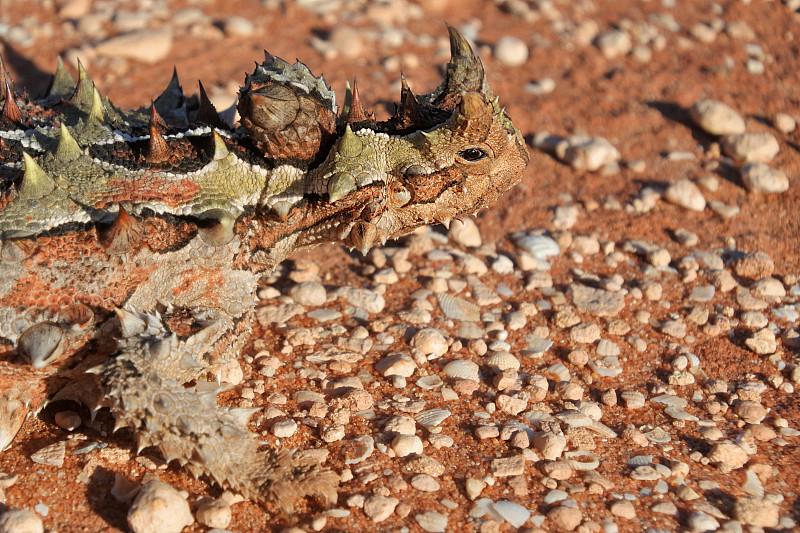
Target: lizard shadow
{"type": "Point", "coordinates": [28, 75]}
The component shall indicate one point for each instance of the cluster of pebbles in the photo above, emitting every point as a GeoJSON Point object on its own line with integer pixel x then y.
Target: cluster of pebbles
{"type": "Point", "coordinates": [400, 385]}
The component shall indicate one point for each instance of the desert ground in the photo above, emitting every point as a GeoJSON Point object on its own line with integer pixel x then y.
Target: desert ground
{"type": "Point", "coordinates": [621, 329]}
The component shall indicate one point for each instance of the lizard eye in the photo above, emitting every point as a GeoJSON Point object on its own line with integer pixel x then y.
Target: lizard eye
{"type": "Point", "coordinates": [472, 154]}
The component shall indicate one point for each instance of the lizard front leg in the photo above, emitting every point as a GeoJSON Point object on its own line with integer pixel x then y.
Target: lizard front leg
{"type": "Point", "coordinates": [143, 388]}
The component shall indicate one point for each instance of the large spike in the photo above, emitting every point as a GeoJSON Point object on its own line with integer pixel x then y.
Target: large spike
{"type": "Point", "coordinates": [3, 73]}
{"type": "Point", "coordinates": [62, 84]}
{"type": "Point", "coordinates": [464, 69]}
{"type": "Point", "coordinates": [409, 106]}
{"type": "Point", "coordinates": [11, 112]}
{"type": "Point", "coordinates": [83, 97]}
{"type": "Point", "coordinates": [207, 113]}
{"type": "Point", "coordinates": [36, 183]}
{"type": "Point", "coordinates": [357, 113]}
{"type": "Point", "coordinates": [155, 118]}
{"type": "Point", "coordinates": [68, 148]}
{"type": "Point", "coordinates": [123, 235]}
{"type": "Point", "coordinates": [350, 145]}
{"type": "Point", "coordinates": [172, 98]}
{"type": "Point", "coordinates": [98, 111]}
{"type": "Point", "coordinates": [464, 73]}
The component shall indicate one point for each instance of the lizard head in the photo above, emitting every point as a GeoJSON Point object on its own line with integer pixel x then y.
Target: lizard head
{"type": "Point", "coordinates": [443, 155]}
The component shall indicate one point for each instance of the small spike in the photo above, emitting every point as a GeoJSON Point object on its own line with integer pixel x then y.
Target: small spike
{"type": "Point", "coordinates": [62, 84]}
{"type": "Point", "coordinates": [282, 209]}
{"type": "Point", "coordinates": [123, 235]}
{"type": "Point", "coordinates": [242, 414]}
{"type": "Point", "coordinates": [35, 181]}
{"type": "Point", "coordinates": [207, 113]}
{"type": "Point", "coordinates": [340, 185]}
{"type": "Point", "coordinates": [216, 227]}
{"type": "Point", "coordinates": [41, 344]}
{"type": "Point", "coordinates": [119, 423]}
{"type": "Point", "coordinates": [220, 148]}
{"type": "Point", "coordinates": [363, 236]}
{"type": "Point", "coordinates": [96, 370]}
{"type": "Point", "coordinates": [130, 324]}
{"type": "Point", "coordinates": [11, 112]}
{"type": "Point", "coordinates": [68, 148]}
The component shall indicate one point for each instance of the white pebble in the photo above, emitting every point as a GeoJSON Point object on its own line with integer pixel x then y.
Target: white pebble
{"type": "Point", "coordinates": [758, 177]}
{"type": "Point", "coordinates": [716, 118]}
{"type": "Point", "coordinates": [784, 123]}
{"type": "Point", "coordinates": [511, 51]}
{"type": "Point", "coordinates": [20, 521]}
{"type": "Point", "coordinates": [159, 508]}
{"type": "Point", "coordinates": [614, 43]}
{"type": "Point", "coordinates": [686, 194]}
{"type": "Point", "coordinates": [751, 147]}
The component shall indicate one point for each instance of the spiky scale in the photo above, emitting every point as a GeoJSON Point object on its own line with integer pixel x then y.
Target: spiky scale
{"type": "Point", "coordinates": [350, 145]}
{"type": "Point", "coordinates": [97, 111]}
{"type": "Point", "coordinates": [158, 149]}
{"type": "Point", "coordinates": [62, 84]}
{"type": "Point", "coordinates": [67, 149]}
{"type": "Point", "coordinates": [216, 227]}
{"type": "Point", "coordinates": [340, 185]}
{"type": "Point", "coordinates": [356, 113]}
{"type": "Point", "coordinates": [83, 97]}
{"type": "Point", "coordinates": [207, 113]}
{"type": "Point", "coordinates": [122, 236]}
{"type": "Point", "coordinates": [36, 183]}
{"type": "Point", "coordinates": [11, 111]}
{"type": "Point", "coordinates": [220, 148]}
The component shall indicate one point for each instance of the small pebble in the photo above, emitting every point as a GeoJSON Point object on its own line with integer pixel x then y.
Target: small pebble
{"type": "Point", "coordinates": [565, 518]}
{"type": "Point", "coordinates": [213, 513]}
{"type": "Point", "coordinates": [238, 27]}
{"type": "Point", "coordinates": [432, 521]}
{"type": "Point", "coordinates": [758, 177]}
{"type": "Point", "coordinates": [511, 51]}
{"type": "Point", "coordinates": [686, 194]}
{"type": "Point", "coordinates": [716, 118]}
{"type": "Point", "coordinates": [751, 147]}
{"type": "Point", "coordinates": [613, 43]}
{"type": "Point", "coordinates": [784, 123]}
{"type": "Point", "coordinates": [20, 521]}
{"type": "Point", "coordinates": [158, 508]}
{"type": "Point", "coordinates": [378, 508]}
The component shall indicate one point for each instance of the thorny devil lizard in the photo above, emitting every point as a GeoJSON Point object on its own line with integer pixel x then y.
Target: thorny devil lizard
{"type": "Point", "coordinates": [131, 241]}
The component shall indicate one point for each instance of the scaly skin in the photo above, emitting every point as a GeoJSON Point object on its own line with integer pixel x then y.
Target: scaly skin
{"type": "Point", "coordinates": [119, 229]}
